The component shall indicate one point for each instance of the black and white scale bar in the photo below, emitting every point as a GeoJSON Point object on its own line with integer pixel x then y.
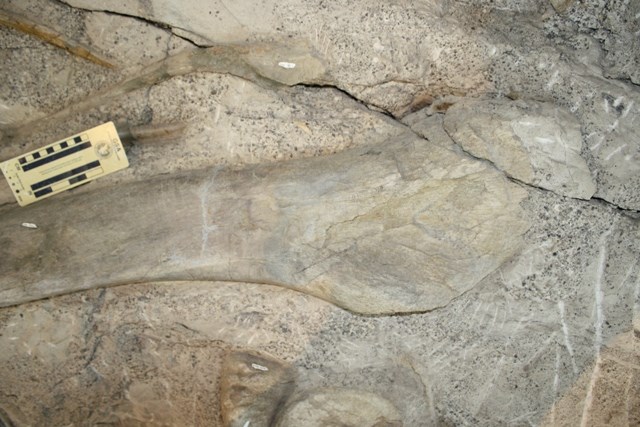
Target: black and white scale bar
{"type": "Point", "coordinates": [43, 192]}
{"type": "Point", "coordinates": [77, 179]}
{"type": "Point", "coordinates": [65, 175]}
{"type": "Point", "coordinates": [55, 156]}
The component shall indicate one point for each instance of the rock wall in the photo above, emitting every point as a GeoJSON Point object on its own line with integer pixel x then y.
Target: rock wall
{"type": "Point", "coordinates": [366, 213]}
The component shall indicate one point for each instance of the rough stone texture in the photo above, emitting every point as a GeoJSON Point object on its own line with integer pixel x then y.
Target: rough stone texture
{"type": "Point", "coordinates": [174, 337]}
{"type": "Point", "coordinates": [545, 338]}
{"type": "Point", "coordinates": [130, 43]}
{"type": "Point", "coordinates": [257, 389]}
{"type": "Point", "coordinates": [228, 121]}
{"type": "Point", "coordinates": [561, 5]}
{"type": "Point", "coordinates": [139, 357]}
{"type": "Point", "coordinates": [536, 143]}
{"type": "Point", "coordinates": [331, 406]}
{"type": "Point", "coordinates": [613, 24]}
{"type": "Point", "coordinates": [608, 393]}
{"type": "Point", "coordinates": [402, 56]}
{"type": "Point", "coordinates": [570, 76]}
{"type": "Point", "coordinates": [383, 70]}
{"type": "Point", "coordinates": [254, 388]}
{"type": "Point", "coordinates": [56, 78]}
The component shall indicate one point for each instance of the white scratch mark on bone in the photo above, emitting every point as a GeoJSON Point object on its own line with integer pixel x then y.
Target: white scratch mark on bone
{"type": "Point", "coordinates": [206, 228]}
{"type": "Point", "coordinates": [599, 294]}
{"type": "Point", "coordinates": [541, 351]}
{"type": "Point", "coordinates": [564, 147]}
{"type": "Point", "coordinates": [322, 41]}
{"type": "Point", "coordinates": [565, 332]}
{"type": "Point", "coordinates": [521, 322]}
{"type": "Point", "coordinates": [287, 65]}
{"type": "Point", "coordinates": [595, 147]}
{"type": "Point", "coordinates": [143, 314]}
{"type": "Point", "coordinates": [556, 377]}
{"type": "Point", "coordinates": [525, 417]}
{"type": "Point", "coordinates": [599, 321]}
{"type": "Point", "coordinates": [626, 276]}
{"type": "Point", "coordinates": [495, 316]}
{"type": "Point", "coordinates": [473, 316]}
{"type": "Point", "coordinates": [616, 151]}
{"type": "Point", "coordinates": [627, 110]}
{"type": "Point", "coordinates": [430, 402]}
{"type": "Point", "coordinates": [556, 382]}
{"type": "Point", "coordinates": [636, 297]}
{"type": "Point", "coordinates": [588, 402]}
{"type": "Point", "coordinates": [489, 385]}
{"type": "Point", "coordinates": [628, 394]}
{"type": "Point", "coordinates": [465, 305]}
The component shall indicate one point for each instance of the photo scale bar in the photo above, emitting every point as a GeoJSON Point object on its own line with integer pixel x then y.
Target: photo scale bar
{"type": "Point", "coordinates": [65, 175]}
{"type": "Point", "coordinates": [56, 156]}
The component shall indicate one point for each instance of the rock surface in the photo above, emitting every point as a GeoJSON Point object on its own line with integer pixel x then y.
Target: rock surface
{"type": "Point", "coordinates": [540, 330]}
{"type": "Point", "coordinates": [258, 390]}
{"type": "Point", "coordinates": [536, 143]}
{"type": "Point", "coordinates": [608, 393]}
{"type": "Point", "coordinates": [349, 408]}
{"type": "Point", "coordinates": [254, 388]}
{"type": "Point", "coordinates": [461, 51]}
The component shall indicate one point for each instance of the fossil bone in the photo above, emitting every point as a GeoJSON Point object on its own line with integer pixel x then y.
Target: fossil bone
{"type": "Point", "coordinates": [393, 227]}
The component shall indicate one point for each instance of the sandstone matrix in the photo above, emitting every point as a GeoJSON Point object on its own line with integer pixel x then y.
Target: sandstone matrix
{"type": "Point", "coordinates": [358, 213]}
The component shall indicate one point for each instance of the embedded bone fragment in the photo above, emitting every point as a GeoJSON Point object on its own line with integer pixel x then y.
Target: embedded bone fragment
{"type": "Point", "coordinates": [401, 226]}
{"type": "Point", "coordinates": [250, 397]}
{"type": "Point", "coordinates": [534, 142]}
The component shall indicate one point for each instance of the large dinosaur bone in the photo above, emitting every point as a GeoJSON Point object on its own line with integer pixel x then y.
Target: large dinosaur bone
{"type": "Point", "coordinates": [401, 226]}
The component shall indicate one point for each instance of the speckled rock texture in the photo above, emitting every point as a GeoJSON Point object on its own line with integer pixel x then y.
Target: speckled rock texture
{"type": "Point", "coordinates": [416, 213]}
